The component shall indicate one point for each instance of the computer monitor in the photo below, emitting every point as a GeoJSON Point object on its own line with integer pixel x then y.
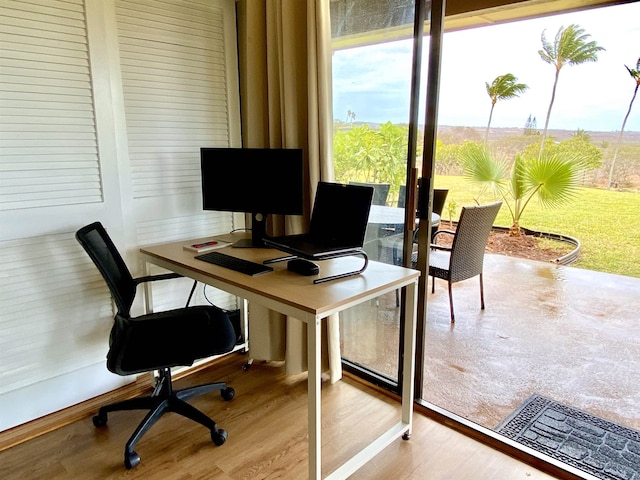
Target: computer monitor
{"type": "Point", "coordinates": [258, 181]}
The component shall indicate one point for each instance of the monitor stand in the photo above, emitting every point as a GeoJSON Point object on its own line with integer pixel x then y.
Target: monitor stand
{"type": "Point", "coordinates": [258, 232]}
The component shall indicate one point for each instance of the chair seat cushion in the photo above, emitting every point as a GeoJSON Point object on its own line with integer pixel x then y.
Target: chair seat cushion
{"type": "Point", "coordinates": [439, 264]}
{"type": "Point", "coordinates": [168, 339]}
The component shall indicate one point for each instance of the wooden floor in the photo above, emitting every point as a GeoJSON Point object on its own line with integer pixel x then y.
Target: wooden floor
{"type": "Point", "coordinates": [267, 426]}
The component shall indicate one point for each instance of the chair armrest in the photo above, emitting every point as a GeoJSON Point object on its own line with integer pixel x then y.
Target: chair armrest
{"type": "Point", "coordinates": [444, 248]}
{"type": "Point", "coordinates": [153, 278]}
{"type": "Point", "coordinates": [450, 232]}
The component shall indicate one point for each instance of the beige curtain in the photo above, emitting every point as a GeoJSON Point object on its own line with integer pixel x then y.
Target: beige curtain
{"type": "Point", "coordinates": [285, 91]}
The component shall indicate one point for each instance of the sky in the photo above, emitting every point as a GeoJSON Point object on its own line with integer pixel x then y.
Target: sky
{"type": "Point", "coordinates": [373, 81]}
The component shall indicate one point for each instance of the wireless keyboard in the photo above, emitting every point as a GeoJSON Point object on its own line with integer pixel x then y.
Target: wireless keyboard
{"type": "Point", "coordinates": [235, 263]}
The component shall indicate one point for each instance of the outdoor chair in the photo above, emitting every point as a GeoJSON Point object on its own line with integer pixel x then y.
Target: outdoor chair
{"type": "Point", "coordinates": [380, 191]}
{"type": "Point", "coordinates": [465, 257]}
{"type": "Point", "coordinates": [156, 342]}
{"type": "Point", "coordinates": [439, 197]}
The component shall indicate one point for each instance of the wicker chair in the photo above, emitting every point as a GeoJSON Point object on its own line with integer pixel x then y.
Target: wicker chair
{"type": "Point", "coordinates": [465, 258]}
{"type": "Point", "coordinates": [439, 198]}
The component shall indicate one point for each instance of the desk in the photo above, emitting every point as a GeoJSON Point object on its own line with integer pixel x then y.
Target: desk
{"type": "Point", "coordinates": [297, 296]}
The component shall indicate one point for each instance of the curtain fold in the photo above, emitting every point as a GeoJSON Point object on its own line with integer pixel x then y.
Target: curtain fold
{"type": "Point", "coordinates": [284, 52]}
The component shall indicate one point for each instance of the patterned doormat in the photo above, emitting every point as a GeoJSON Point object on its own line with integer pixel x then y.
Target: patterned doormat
{"type": "Point", "coordinates": [604, 449]}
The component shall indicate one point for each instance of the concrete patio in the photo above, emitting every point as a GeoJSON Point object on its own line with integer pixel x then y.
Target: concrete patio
{"type": "Point", "coordinates": [569, 334]}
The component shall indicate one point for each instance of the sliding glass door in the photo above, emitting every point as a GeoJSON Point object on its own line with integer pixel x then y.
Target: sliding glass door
{"type": "Point", "coordinates": [560, 333]}
{"type": "Point", "coordinates": [374, 144]}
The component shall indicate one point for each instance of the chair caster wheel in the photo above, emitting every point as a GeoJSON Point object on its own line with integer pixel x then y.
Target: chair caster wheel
{"type": "Point", "coordinates": [406, 436]}
{"type": "Point", "coordinates": [100, 420]}
{"type": "Point", "coordinates": [219, 437]}
{"type": "Point", "coordinates": [131, 460]}
{"type": "Point", "coordinates": [228, 393]}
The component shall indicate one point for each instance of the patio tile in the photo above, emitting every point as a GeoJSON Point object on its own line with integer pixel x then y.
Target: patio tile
{"type": "Point", "coordinates": [566, 333]}
{"type": "Point", "coordinates": [563, 332]}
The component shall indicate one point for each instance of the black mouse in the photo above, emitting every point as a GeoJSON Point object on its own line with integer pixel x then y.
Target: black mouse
{"type": "Point", "coordinates": [303, 267]}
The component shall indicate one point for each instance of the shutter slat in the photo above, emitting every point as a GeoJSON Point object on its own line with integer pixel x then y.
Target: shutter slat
{"type": "Point", "coordinates": [38, 314]}
{"type": "Point", "coordinates": [175, 89]}
{"type": "Point", "coordinates": [45, 96]}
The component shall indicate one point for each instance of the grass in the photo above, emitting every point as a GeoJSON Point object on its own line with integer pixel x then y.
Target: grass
{"type": "Point", "coordinates": [606, 222]}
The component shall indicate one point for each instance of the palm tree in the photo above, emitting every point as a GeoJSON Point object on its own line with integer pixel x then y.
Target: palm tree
{"type": "Point", "coordinates": [351, 116]}
{"type": "Point", "coordinates": [503, 87]}
{"type": "Point", "coordinates": [551, 178]}
{"type": "Point", "coordinates": [635, 74]}
{"type": "Point", "coordinates": [570, 47]}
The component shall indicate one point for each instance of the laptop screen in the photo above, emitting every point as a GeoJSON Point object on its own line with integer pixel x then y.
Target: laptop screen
{"type": "Point", "coordinates": [340, 214]}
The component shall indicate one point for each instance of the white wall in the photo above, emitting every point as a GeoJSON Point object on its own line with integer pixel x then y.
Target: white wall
{"type": "Point", "coordinates": [104, 105]}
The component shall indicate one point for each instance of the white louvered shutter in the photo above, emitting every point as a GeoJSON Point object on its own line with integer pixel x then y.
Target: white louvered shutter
{"type": "Point", "coordinates": [56, 310]}
{"type": "Point", "coordinates": [66, 160]}
{"type": "Point", "coordinates": [180, 92]}
{"type": "Point", "coordinates": [175, 85]}
{"type": "Point", "coordinates": [48, 145]}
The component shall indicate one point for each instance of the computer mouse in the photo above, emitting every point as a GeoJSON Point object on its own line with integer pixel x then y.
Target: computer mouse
{"type": "Point", "coordinates": [303, 267]}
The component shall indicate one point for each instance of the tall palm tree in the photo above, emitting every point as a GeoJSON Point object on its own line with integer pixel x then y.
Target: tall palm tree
{"type": "Point", "coordinates": [635, 74]}
{"type": "Point", "coordinates": [571, 46]}
{"type": "Point", "coordinates": [503, 87]}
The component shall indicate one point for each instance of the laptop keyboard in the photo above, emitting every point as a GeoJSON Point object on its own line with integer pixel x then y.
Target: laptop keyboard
{"type": "Point", "coordinates": [234, 263]}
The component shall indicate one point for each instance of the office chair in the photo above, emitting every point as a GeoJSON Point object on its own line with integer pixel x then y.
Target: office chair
{"type": "Point", "coordinates": [156, 341]}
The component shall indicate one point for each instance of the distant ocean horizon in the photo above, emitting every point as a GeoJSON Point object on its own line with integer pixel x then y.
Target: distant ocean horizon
{"type": "Point", "coordinates": [558, 132]}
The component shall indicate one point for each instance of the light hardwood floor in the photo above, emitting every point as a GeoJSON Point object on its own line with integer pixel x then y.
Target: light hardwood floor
{"type": "Point", "coordinates": [267, 425]}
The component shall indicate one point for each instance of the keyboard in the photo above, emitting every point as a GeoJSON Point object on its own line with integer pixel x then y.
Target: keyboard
{"type": "Point", "coordinates": [234, 263]}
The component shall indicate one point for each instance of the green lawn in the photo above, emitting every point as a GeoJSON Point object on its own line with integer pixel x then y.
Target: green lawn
{"type": "Point", "coordinates": [606, 222]}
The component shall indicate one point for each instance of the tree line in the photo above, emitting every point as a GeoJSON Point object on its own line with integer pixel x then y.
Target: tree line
{"type": "Point", "coordinates": [539, 167]}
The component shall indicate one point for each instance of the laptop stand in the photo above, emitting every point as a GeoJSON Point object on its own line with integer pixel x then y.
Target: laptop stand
{"type": "Point", "coordinates": [329, 256]}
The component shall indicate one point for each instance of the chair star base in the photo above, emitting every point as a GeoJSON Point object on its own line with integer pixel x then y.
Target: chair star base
{"type": "Point", "coordinates": [164, 399]}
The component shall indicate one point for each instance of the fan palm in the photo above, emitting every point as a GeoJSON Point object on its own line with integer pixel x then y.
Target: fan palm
{"type": "Point", "coordinates": [503, 87]}
{"type": "Point", "coordinates": [571, 46]}
{"type": "Point", "coordinates": [635, 74]}
{"type": "Point", "coordinates": [550, 178]}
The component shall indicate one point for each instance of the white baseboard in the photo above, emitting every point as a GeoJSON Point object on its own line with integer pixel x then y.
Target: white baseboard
{"type": "Point", "coordinates": [34, 401]}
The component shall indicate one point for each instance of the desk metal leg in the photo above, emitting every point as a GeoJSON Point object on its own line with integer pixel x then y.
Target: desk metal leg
{"type": "Point", "coordinates": [409, 364]}
{"type": "Point", "coordinates": [314, 406]}
{"type": "Point", "coordinates": [404, 427]}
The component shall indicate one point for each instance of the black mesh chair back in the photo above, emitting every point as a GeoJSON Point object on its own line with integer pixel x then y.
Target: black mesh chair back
{"type": "Point", "coordinates": [465, 258]}
{"type": "Point", "coordinates": [99, 246]}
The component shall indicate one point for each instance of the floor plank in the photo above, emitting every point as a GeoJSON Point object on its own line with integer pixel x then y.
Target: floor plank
{"type": "Point", "coordinates": [267, 425]}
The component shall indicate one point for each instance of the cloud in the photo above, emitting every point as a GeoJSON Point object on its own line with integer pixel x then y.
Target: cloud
{"type": "Point", "coordinates": [374, 81]}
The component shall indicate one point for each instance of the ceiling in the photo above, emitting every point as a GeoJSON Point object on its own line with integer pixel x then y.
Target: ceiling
{"type": "Point", "coordinates": [366, 22]}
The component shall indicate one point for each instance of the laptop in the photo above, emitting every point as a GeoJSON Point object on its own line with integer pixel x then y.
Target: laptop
{"type": "Point", "coordinates": [338, 223]}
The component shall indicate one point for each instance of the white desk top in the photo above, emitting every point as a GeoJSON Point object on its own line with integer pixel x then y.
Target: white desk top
{"type": "Point", "coordinates": [283, 287]}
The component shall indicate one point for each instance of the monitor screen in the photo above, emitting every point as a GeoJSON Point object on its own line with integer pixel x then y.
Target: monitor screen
{"type": "Point", "coordinates": [259, 181]}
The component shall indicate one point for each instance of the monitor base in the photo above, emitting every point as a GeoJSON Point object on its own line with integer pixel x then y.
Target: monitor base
{"type": "Point", "coordinates": [247, 243]}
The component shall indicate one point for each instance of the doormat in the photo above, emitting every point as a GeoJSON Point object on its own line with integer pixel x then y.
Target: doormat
{"type": "Point", "coordinates": [602, 448]}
